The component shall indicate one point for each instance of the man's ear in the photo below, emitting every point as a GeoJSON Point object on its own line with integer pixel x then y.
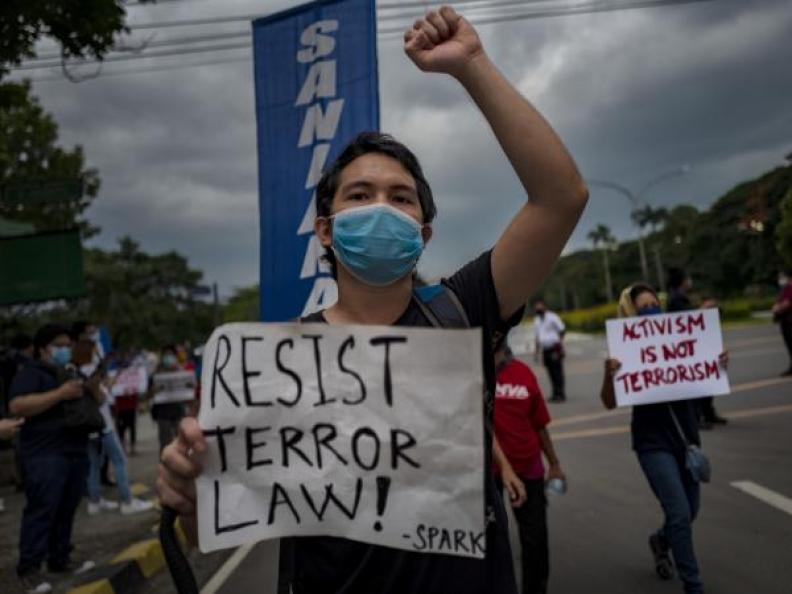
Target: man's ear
{"type": "Point", "coordinates": [323, 227]}
{"type": "Point", "coordinates": [426, 233]}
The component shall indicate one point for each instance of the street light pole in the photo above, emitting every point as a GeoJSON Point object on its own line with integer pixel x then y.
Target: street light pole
{"type": "Point", "coordinates": [637, 201]}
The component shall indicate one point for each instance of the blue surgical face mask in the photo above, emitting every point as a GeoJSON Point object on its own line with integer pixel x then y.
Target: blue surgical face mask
{"type": "Point", "coordinates": [651, 310]}
{"type": "Point", "coordinates": [61, 355]}
{"type": "Point", "coordinates": [170, 360]}
{"type": "Point", "coordinates": [377, 244]}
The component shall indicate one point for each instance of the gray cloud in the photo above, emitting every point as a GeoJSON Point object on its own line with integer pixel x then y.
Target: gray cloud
{"type": "Point", "coordinates": [632, 93]}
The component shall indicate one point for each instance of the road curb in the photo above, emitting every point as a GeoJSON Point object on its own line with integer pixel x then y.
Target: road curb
{"type": "Point", "coordinates": [129, 569]}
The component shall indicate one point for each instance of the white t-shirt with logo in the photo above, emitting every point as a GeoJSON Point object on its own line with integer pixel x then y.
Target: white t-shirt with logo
{"type": "Point", "coordinates": [548, 329]}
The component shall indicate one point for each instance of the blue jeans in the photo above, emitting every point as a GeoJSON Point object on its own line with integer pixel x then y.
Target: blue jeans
{"type": "Point", "coordinates": [54, 485]}
{"type": "Point", "coordinates": [107, 445]}
{"type": "Point", "coordinates": [678, 493]}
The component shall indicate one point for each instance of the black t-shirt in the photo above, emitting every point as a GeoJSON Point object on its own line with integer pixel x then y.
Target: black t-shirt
{"type": "Point", "coordinates": [45, 433]}
{"type": "Point", "coordinates": [326, 565]}
{"type": "Point", "coordinates": [653, 426]}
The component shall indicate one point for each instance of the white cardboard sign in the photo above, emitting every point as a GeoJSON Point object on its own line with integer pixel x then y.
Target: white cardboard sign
{"type": "Point", "coordinates": [173, 386]}
{"type": "Point", "coordinates": [667, 357]}
{"type": "Point", "coordinates": [130, 380]}
{"type": "Point", "coordinates": [372, 433]}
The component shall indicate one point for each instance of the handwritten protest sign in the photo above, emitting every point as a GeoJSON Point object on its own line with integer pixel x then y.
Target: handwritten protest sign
{"type": "Point", "coordinates": [371, 433]}
{"type": "Point", "coordinates": [131, 380]}
{"type": "Point", "coordinates": [667, 357]}
{"type": "Point", "coordinates": [173, 386]}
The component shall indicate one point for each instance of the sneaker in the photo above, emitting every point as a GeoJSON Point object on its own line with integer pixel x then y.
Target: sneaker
{"type": "Point", "coordinates": [74, 567]}
{"type": "Point", "coordinates": [135, 506]}
{"type": "Point", "coordinates": [101, 505]}
{"type": "Point", "coordinates": [663, 564]}
{"type": "Point", "coordinates": [32, 583]}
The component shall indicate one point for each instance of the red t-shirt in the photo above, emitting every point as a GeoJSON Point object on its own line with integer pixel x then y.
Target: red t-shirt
{"type": "Point", "coordinates": [786, 295]}
{"type": "Point", "coordinates": [520, 412]}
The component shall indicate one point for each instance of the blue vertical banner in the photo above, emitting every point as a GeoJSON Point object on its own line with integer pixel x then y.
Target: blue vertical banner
{"type": "Point", "coordinates": [315, 70]}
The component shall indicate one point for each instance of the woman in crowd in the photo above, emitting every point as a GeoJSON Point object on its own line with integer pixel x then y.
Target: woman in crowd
{"type": "Point", "coordinates": [661, 451]}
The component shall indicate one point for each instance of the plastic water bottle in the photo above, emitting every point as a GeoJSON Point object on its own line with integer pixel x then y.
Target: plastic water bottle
{"type": "Point", "coordinates": [556, 486]}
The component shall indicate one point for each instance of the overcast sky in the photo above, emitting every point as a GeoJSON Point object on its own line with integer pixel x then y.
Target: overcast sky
{"type": "Point", "coordinates": [633, 94]}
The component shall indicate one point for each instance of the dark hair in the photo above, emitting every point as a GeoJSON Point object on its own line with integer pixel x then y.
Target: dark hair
{"type": "Point", "coordinates": [78, 328]}
{"type": "Point", "coordinates": [20, 342]}
{"type": "Point", "coordinates": [364, 144]}
{"type": "Point", "coordinates": [169, 348]}
{"type": "Point", "coordinates": [639, 289]}
{"type": "Point", "coordinates": [537, 300]}
{"type": "Point", "coordinates": [46, 334]}
{"type": "Point", "coordinates": [676, 278]}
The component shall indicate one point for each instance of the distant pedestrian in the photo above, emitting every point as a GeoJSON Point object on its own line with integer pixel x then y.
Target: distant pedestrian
{"type": "Point", "coordinates": [521, 437]}
{"type": "Point", "coordinates": [782, 313]}
{"type": "Point", "coordinates": [659, 435]}
{"type": "Point", "coordinates": [104, 444]}
{"type": "Point", "coordinates": [126, 409]}
{"type": "Point", "coordinates": [679, 285]}
{"type": "Point", "coordinates": [54, 458]}
{"type": "Point", "coordinates": [549, 332]}
{"type": "Point", "coordinates": [171, 391]}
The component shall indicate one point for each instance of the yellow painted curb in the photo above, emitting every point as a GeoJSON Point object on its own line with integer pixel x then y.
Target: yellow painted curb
{"type": "Point", "coordinates": [98, 587]}
{"type": "Point", "coordinates": [147, 554]}
{"type": "Point", "coordinates": [139, 489]}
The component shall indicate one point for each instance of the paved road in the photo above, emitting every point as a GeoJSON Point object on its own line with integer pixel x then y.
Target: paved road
{"type": "Point", "coordinates": [600, 527]}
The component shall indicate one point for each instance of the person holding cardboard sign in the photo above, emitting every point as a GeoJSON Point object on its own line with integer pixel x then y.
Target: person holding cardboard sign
{"type": "Point", "coordinates": [374, 215]}
{"type": "Point", "coordinates": [662, 434]}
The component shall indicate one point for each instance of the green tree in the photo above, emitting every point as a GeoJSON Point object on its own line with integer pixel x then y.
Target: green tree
{"type": "Point", "coordinates": [82, 28]}
{"type": "Point", "coordinates": [783, 231]}
{"type": "Point", "coordinates": [243, 306]}
{"type": "Point", "coordinates": [145, 300]}
{"type": "Point", "coordinates": [31, 158]}
{"type": "Point", "coordinates": [602, 236]}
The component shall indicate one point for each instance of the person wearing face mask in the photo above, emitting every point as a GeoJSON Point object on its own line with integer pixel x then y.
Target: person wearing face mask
{"type": "Point", "coordinates": [54, 458]}
{"type": "Point", "coordinates": [549, 332]}
{"type": "Point", "coordinates": [661, 454]}
{"type": "Point", "coordinates": [374, 217]}
{"type": "Point", "coordinates": [782, 313]}
{"type": "Point", "coordinates": [169, 404]}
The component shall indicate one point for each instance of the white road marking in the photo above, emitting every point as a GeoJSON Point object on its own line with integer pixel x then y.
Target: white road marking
{"type": "Point", "coordinates": [764, 494]}
{"type": "Point", "coordinates": [219, 578]}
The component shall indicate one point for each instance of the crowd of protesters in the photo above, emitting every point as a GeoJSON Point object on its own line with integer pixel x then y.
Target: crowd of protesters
{"type": "Point", "coordinates": [68, 403]}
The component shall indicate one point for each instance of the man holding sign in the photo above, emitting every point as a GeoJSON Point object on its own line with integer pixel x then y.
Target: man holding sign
{"type": "Point", "coordinates": [657, 364]}
{"type": "Point", "coordinates": [374, 214]}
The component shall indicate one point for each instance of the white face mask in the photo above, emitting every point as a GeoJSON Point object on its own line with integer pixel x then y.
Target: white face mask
{"type": "Point", "coordinates": [782, 281]}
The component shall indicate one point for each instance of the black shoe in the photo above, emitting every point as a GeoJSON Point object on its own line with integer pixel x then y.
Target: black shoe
{"type": "Point", "coordinates": [787, 373]}
{"type": "Point", "coordinates": [718, 420]}
{"type": "Point", "coordinates": [663, 564]}
{"type": "Point", "coordinates": [705, 425]}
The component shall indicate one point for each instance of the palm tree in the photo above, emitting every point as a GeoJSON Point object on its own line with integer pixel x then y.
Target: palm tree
{"type": "Point", "coordinates": [654, 218]}
{"type": "Point", "coordinates": [601, 236]}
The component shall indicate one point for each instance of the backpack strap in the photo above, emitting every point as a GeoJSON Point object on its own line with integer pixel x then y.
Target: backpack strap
{"type": "Point", "coordinates": [441, 306]}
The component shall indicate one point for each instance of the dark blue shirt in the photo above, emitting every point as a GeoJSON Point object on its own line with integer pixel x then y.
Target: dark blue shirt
{"type": "Point", "coordinates": [45, 433]}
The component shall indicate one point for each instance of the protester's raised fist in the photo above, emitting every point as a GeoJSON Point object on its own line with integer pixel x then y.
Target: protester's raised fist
{"type": "Point", "coordinates": [612, 366]}
{"type": "Point", "coordinates": [442, 41]}
{"type": "Point", "coordinates": [179, 465]}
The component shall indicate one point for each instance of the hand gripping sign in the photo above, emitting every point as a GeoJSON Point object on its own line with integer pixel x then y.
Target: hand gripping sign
{"type": "Point", "coordinates": [371, 433]}
{"type": "Point", "coordinates": [667, 357]}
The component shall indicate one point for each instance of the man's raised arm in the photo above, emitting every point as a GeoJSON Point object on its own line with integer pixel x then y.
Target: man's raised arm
{"type": "Point", "coordinates": [525, 254]}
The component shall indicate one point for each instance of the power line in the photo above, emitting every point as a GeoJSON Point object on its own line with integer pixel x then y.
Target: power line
{"type": "Point", "coordinates": [385, 34]}
{"type": "Point", "coordinates": [189, 40]}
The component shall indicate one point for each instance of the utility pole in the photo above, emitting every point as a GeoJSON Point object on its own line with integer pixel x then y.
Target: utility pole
{"type": "Point", "coordinates": [637, 200]}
